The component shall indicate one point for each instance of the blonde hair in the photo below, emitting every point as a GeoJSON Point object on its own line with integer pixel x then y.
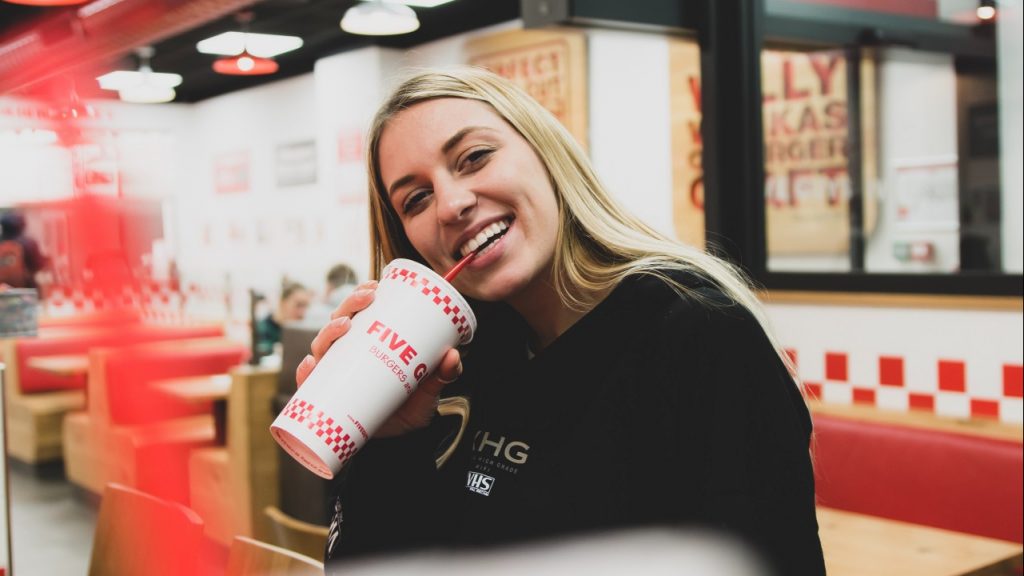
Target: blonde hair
{"type": "Point", "coordinates": [599, 242]}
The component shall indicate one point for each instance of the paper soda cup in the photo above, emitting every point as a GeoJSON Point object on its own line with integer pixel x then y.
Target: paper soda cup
{"type": "Point", "coordinates": [392, 345]}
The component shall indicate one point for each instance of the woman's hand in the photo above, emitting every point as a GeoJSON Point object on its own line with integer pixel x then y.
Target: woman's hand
{"type": "Point", "coordinates": [420, 406]}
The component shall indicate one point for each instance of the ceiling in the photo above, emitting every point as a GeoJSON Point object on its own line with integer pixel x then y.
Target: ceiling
{"type": "Point", "coordinates": [105, 46]}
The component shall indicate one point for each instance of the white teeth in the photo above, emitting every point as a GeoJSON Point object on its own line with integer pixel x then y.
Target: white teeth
{"type": "Point", "coordinates": [483, 236]}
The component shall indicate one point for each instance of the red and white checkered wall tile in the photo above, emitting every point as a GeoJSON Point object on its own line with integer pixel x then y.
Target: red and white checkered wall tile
{"type": "Point", "coordinates": [946, 386]}
{"type": "Point", "coordinates": [156, 303]}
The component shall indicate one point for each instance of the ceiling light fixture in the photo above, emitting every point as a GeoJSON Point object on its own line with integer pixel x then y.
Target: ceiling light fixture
{"type": "Point", "coordinates": [263, 45]}
{"type": "Point", "coordinates": [245, 64]}
{"type": "Point", "coordinates": [986, 10]}
{"type": "Point", "coordinates": [243, 59]}
{"type": "Point", "coordinates": [142, 86]}
{"type": "Point", "coordinates": [376, 18]}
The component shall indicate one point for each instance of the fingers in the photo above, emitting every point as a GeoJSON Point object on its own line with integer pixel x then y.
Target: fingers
{"type": "Point", "coordinates": [447, 372]}
{"type": "Point", "coordinates": [450, 367]}
{"type": "Point", "coordinates": [341, 321]}
{"type": "Point", "coordinates": [303, 370]}
{"type": "Point", "coordinates": [356, 301]}
{"type": "Point", "coordinates": [328, 334]}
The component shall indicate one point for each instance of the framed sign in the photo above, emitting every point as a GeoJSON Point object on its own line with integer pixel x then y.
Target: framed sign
{"type": "Point", "coordinates": [231, 172]}
{"type": "Point", "coordinates": [687, 143]}
{"type": "Point", "coordinates": [550, 65]}
{"type": "Point", "coordinates": [806, 149]}
{"type": "Point", "coordinates": [295, 163]}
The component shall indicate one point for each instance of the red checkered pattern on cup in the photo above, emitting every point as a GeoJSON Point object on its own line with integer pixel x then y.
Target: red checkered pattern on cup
{"type": "Point", "coordinates": [329, 432]}
{"type": "Point", "coordinates": [429, 289]}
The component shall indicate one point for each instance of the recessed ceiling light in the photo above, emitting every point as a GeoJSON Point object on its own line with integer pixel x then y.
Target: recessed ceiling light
{"type": "Point", "coordinates": [234, 43]}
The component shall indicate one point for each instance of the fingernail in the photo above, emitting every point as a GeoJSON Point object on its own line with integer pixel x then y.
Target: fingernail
{"type": "Point", "coordinates": [308, 360]}
{"type": "Point", "coordinates": [341, 322]}
{"type": "Point", "coordinates": [362, 293]}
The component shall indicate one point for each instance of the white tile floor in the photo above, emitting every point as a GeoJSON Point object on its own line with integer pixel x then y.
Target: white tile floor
{"type": "Point", "coordinates": [51, 528]}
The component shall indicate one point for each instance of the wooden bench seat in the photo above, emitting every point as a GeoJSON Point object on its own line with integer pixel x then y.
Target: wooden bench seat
{"type": "Point", "coordinates": [129, 434]}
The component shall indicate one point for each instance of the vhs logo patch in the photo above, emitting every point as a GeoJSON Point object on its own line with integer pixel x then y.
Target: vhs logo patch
{"type": "Point", "coordinates": [479, 483]}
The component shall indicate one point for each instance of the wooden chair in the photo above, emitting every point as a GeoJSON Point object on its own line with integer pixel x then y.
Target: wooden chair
{"type": "Point", "coordinates": [246, 468]}
{"type": "Point", "coordinates": [137, 533]}
{"type": "Point", "coordinates": [296, 535]}
{"type": "Point", "coordinates": [250, 557]}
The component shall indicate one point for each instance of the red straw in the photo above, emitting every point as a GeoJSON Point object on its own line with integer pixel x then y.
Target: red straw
{"type": "Point", "coordinates": [458, 267]}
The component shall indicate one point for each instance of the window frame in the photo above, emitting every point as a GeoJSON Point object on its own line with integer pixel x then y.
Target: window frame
{"type": "Point", "coordinates": [732, 35]}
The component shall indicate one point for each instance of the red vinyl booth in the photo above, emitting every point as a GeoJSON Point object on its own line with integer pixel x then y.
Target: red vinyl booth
{"type": "Point", "coordinates": [159, 454]}
{"type": "Point", "coordinates": [958, 482]}
{"type": "Point", "coordinates": [31, 380]}
{"type": "Point", "coordinates": [132, 399]}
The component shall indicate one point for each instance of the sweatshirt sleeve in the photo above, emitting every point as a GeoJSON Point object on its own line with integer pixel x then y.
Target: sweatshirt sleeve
{"type": "Point", "coordinates": [740, 416]}
{"type": "Point", "coordinates": [387, 497]}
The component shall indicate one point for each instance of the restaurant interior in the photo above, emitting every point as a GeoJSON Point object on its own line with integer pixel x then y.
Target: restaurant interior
{"type": "Point", "coordinates": [179, 165]}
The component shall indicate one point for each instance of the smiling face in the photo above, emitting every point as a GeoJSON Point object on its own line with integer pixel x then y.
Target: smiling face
{"type": "Point", "coordinates": [293, 307]}
{"type": "Point", "coordinates": [460, 178]}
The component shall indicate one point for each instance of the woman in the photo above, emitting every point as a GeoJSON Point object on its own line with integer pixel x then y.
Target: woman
{"type": "Point", "coordinates": [617, 378]}
{"type": "Point", "coordinates": [291, 307]}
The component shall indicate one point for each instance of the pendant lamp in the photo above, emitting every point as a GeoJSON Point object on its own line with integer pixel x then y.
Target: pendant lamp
{"type": "Point", "coordinates": [986, 10]}
{"type": "Point", "coordinates": [143, 86]}
{"type": "Point", "coordinates": [377, 18]}
{"type": "Point", "coordinates": [246, 63]}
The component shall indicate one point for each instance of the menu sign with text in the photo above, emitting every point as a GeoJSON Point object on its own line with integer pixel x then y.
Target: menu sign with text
{"type": "Point", "coordinates": [806, 149]}
{"type": "Point", "coordinates": [549, 65]}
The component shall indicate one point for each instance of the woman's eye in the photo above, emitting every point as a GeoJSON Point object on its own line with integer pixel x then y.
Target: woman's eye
{"type": "Point", "coordinates": [414, 201]}
{"type": "Point", "coordinates": [474, 159]}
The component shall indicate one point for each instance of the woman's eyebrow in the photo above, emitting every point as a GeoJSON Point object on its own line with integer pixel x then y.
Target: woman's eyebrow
{"type": "Point", "coordinates": [454, 140]}
{"type": "Point", "coordinates": [399, 183]}
{"type": "Point", "coordinates": [445, 148]}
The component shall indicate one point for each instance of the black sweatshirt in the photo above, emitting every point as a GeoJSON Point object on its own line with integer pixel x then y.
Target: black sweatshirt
{"type": "Point", "coordinates": [651, 410]}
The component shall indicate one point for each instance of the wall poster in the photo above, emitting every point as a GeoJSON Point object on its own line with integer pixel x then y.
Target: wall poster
{"type": "Point", "coordinates": [231, 172]}
{"type": "Point", "coordinates": [550, 65]}
{"type": "Point", "coordinates": [295, 163]}
{"type": "Point", "coordinates": [805, 122]}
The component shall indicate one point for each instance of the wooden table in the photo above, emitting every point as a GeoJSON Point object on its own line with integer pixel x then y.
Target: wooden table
{"type": "Point", "coordinates": [66, 365]}
{"type": "Point", "coordinates": [856, 544]}
{"type": "Point", "coordinates": [212, 388]}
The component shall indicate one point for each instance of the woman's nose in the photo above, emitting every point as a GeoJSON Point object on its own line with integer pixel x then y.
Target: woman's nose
{"type": "Point", "coordinates": [454, 202]}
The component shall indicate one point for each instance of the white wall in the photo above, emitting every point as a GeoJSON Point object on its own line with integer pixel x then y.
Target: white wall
{"type": "Point", "coordinates": [348, 89]}
{"type": "Point", "coordinates": [630, 132]}
{"type": "Point", "coordinates": [265, 231]}
{"type": "Point", "coordinates": [1010, 40]}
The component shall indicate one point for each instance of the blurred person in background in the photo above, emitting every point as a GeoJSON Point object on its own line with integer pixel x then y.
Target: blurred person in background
{"type": "Point", "coordinates": [618, 378]}
{"type": "Point", "coordinates": [20, 256]}
{"type": "Point", "coordinates": [291, 307]}
{"type": "Point", "coordinates": [340, 282]}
